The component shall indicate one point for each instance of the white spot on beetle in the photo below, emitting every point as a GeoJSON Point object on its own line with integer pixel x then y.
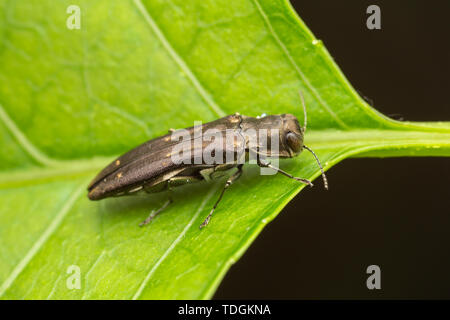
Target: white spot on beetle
{"type": "Point", "coordinates": [261, 116]}
{"type": "Point", "coordinates": [135, 189]}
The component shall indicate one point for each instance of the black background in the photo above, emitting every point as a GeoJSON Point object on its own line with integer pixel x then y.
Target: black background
{"type": "Point", "coordinates": [390, 212]}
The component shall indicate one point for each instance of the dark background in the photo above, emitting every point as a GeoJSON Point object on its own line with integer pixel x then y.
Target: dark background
{"type": "Point", "coordinates": [390, 212]}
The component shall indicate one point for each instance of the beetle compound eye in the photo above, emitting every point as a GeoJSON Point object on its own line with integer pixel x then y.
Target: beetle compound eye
{"type": "Point", "coordinates": [294, 142]}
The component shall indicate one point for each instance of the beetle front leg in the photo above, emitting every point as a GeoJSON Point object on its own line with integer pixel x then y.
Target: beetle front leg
{"type": "Point", "coordinates": [229, 182]}
{"type": "Point", "coordinates": [264, 164]}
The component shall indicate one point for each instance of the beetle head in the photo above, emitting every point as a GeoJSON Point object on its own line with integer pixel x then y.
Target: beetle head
{"type": "Point", "coordinates": [292, 135]}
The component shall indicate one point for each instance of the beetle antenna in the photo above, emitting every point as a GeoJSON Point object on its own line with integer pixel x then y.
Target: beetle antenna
{"type": "Point", "coordinates": [304, 110]}
{"type": "Point", "coordinates": [324, 177]}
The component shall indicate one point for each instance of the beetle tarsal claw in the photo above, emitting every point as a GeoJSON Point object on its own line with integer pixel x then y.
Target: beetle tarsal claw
{"type": "Point", "coordinates": [305, 181]}
{"type": "Point", "coordinates": [148, 220]}
{"type": "Point", "coordinates": [205, 223]}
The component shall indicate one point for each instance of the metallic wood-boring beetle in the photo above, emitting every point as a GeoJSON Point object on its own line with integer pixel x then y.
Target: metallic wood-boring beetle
{"type": "Point", "coordinates": [150, 167]}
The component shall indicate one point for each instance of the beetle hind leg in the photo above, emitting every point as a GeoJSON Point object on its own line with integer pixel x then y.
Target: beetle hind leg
{"type": "Point", "coordinates": [154, 213]}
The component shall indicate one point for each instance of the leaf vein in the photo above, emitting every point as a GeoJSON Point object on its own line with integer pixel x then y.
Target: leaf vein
{"type": "Point", "coordinates": [296, 67]}
{"type": "Point", "coordinates": [42, 239]}
{"type": "Point", "coordinates": [174, 243]}
{"type": "Point", "coordinates": [178, 60]}
{"type": "Point", "coordinates": [36, 154]}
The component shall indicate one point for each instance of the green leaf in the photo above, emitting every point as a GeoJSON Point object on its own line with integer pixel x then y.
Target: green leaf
{"type": "Point", "coordinates": [72, 100]}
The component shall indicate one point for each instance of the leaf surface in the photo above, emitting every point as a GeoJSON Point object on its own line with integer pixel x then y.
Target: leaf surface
{"type": "Point", "coordinates": [72, 100]}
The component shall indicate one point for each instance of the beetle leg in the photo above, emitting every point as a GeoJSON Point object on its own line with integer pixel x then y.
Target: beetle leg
{"type": "Point", "coordinates": [206, 173]}
{"type": "Point", "coordinates": [154, 213]}
{"type": "Point", "coordinates": [264, 164]}
{"type": "Point", "coordinates": [229, 182]}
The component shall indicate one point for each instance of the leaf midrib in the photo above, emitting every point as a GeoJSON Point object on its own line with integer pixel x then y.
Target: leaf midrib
{"type": "Point", "coordinates": [320, 140]}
